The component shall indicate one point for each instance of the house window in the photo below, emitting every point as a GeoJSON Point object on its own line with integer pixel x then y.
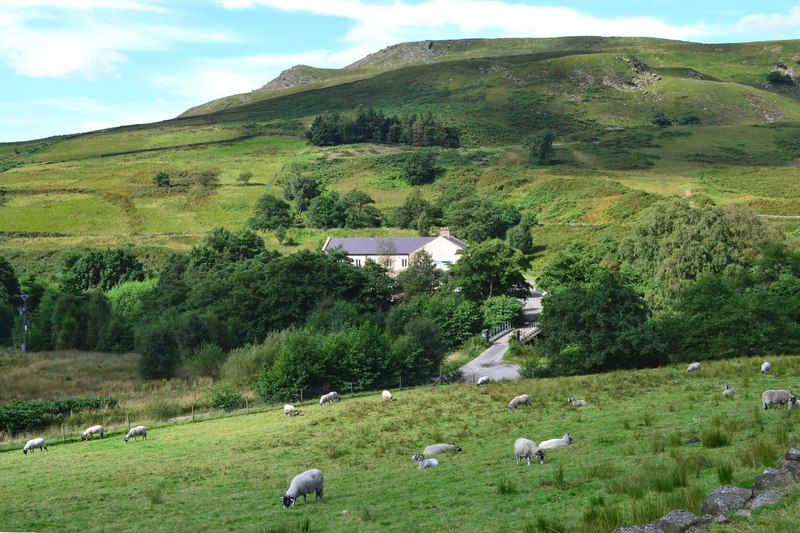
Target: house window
{"type": "Point", "coordinates": [387, 263]}
{"type": "Point", "coordinates": [357, 262]}
{"type": "Point", "coordinates": [404, 262]}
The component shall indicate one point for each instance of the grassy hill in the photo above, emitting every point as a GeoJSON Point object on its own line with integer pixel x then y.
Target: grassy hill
{"type": "Point", "coordinates": [732, 141]}
{"type": "Point", "coordinates": [628, 464]}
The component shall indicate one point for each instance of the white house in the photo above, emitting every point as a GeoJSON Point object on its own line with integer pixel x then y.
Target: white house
{"type": "Point", "coordinates": [396, 253]}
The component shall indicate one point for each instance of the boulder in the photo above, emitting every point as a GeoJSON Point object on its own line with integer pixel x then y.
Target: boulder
{"type": "Point", "coordinates": [792, 469]}
{"type": "Point", "coordinates": [692, 440]}
{"type": "Point", "coordinates": [678, 521]}
{"type": "Point", "coordinates": [726, 499]}
{"type": "Point", "coordinates": [773, 479]}
{"type": "Point", "coordinates": [792, 455]}
{"type": "Point", "coordinates": [766, 497]}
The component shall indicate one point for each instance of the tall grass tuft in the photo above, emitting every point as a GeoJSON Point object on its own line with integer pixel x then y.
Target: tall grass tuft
{"type": "Point", "coordinates": [558, 477]}
{"type": "Point", "coordinates": [602, 518]}
{"type": "Point", "coordinates": [714, 438]}
{"type": "Point", "coordinates": [781, 435]}
{"type": "Point", "coordinates": [759, 453]}
{"type": "Point", "coordinates": [504, 487]}
{"type": "Point", "coordinates": [366, 514]}
{"type": "Point", "coordinates": [543, 525]}
{"type": "Point", "coordinates": [725, 473]}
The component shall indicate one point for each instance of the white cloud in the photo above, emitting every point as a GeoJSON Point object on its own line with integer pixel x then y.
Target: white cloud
{"type": "Point", "coordinates": [777, 25]}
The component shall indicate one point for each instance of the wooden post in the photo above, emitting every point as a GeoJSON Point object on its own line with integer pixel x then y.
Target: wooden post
{"type": "Point", "coordinates": [63, 433]}
{"type": "Point", "coordinates": [247, 405]}
{"type": "Point", "coordinates": [193, 404]}
{"type": "Point", "coordinates": [401, 383]}
{"type": "Point", "coordinates": [351, 388]}
{"type": "Point", "coordinates": [301, 395]}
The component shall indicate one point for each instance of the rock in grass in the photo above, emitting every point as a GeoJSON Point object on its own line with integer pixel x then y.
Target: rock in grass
{"type": "Point", "coordinates": [726, 499]}
{"type": "Point", "coordinates": [792, 455]}
{"type": "Point", "coordinates": [692, 440]}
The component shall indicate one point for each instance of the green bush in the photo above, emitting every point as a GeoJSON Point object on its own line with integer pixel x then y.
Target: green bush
{"type": "Point", "coordinates": [207, 360]}
{"type": "Point", "coordinates": [20, 416]}
{"type": "Point", "coordinates": [159, 352]}
{"type": "Point", "coordinates": [224, 396]}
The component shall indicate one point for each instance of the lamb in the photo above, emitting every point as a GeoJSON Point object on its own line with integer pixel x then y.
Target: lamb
{"type": "Point", "coordinates": [765, 366]}
{"type": "Point", "coordinates": [387, 396]}
{"type": "Point", "coordinates": [138, 431]}
{"type": "Point", "coordinates": [523, 399]}
{"type": "Point", "coordinates": [438, 449]}
{"type": "Point", "coordinates": [290, 410]}
{"type": "Point", "coordinates": [88, 433]}
{"type": "Point", "coordinates": [34, 444]}
{"type": "Point", "coordinates": [694, 367]}
{"type": "Point", "coordinates": [329, 398]}
{"type": "Point", "coordinates": [483, 381]}
{"type": "Point", "coordinates": [424, 463]}
{"type": "Point", "coordinates": [302, 484]}
{"type": "Point", "coordinates": [566, 440]}
{"type": "Point", "coordinates": [728, 391]}
{"type": "Point", "coordinates": [577, 403]}
{"type": "Point", "coordinates": [525, 449]}
{"type": "Point", "coordinates": [779, 397]}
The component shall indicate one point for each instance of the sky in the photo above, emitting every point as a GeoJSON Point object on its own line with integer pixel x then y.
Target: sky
{"type": "Point", "coordinates": [70, 66]}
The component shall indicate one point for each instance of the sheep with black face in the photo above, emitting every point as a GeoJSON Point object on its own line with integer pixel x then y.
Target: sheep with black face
{"type": "Point", "coordinates": [302, 484]}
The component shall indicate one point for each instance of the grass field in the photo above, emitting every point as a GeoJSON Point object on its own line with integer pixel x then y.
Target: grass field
{"type": "Point", "coordinates": [628, 463]}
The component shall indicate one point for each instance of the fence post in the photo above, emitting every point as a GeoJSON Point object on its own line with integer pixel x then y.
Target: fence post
{"type": "Point", "coordinates": [63, 433]}
{"type": "Point", "coordinates": [401, 383]}
{"type": "Point", "coordinates": [247, 405]}
{"type": "Point", "coordinates": [351, 388]}
{"type": "Point", "coordinates": [301, 395]}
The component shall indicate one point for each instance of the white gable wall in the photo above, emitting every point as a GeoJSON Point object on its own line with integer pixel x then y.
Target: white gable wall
{"type": "Point", "coordinates": [443, 252]}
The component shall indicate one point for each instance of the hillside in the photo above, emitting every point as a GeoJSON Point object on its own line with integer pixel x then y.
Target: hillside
{"type": "Point", "coordinates": [728, 116]}
{"type": "Point", "coordinates": [629, 462]}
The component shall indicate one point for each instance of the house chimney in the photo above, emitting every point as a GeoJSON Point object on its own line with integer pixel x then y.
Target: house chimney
{"type": "Point", "coordinates": [444, 231]}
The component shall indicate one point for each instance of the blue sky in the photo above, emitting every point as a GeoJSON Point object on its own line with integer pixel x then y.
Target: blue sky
{"type": "Point", "coordinates": [68, 66]}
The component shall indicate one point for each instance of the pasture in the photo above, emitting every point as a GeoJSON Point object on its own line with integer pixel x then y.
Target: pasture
{"type": "Point", "coordinates": [628, 464]}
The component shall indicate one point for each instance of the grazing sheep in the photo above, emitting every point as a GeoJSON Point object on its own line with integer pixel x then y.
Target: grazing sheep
{"type": "Point", "coordinates": [34, 444]}
{"type": "Point", "coordinates": [424, 463]}
{"type": "Point", "coordinates": [438, 449]}
{"type": "Point", "coordinates": [577, 403]}
{"type": "Point", "coordinates": [138, 431]}
{"type": "Point", "coordinates": [779, 397]}
{"type": "Point", "coordinates": [566, 440]}
{"type": "Point", "coordinates": [483, 381]}
{"type": "Point", "coordinates": [765, 366]}
{"type": "Point", "coordinates": [387, 396]}
{"type": "Point", "coordinates": [290, 410]}
{"type": "Point", "coordinates": [302, 484]}
{"type": "Point", "coordinates": [88, 433]}
{"type": "Point", "coordinates": [728, 391]}
{"type": "Point", "coordinates": [329, 398]}
{"type": "Point", "coordinates": [525, 449]}
{"type": "Point", "coordinates": [694, 367]}
{"type": "Point", "coordinates": [523, 399]}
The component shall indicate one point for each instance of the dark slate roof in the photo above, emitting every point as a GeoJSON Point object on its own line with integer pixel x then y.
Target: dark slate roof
{"type": "Point", "coordinates": [379, 245]}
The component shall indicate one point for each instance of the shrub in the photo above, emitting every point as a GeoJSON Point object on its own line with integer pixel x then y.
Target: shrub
{"type": "Point", "coordinates": [714, 438]}
{"type": "Point", "coordinates": [224, 396]}
{"type": "Point", "coordinates": [159, 352]}
{"type": "Point", "coordinates": [207, 360]}
{"type": "Point", "coordinates": [161, 179]}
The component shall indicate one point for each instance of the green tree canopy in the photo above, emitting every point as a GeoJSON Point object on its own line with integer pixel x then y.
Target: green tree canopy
{"type": "Point", "coordinates": [270, 213]}
{"type": "Point", "coordinates": [540, 146]}
{"type": "Point", "coordinates": [490, 268]}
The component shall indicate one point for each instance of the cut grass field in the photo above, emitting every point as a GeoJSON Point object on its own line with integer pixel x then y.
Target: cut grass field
{"type": "Point", "coordinates": [628, 463]}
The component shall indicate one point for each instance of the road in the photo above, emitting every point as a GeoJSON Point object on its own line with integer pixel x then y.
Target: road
{"type": "Point", "coordinates": [490, 361]}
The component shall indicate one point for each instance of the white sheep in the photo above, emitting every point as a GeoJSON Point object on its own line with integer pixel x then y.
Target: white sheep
{"type": "Point", "coordinates": [694, 367]}
{"type": "Point", "coordinates": [438, 449]}
{"type": "Point", "coordinates": [424, 463]}
{"type": "Point", "coordinates": [138, 431]}
{"type": "Point", "coordinates": [483, 381]}
{"type": "Point", "coordinates": [525, 449]}
{"type": "Point", "coordinates": [577, 403]}
{"type": "Point", "coordinates": [728, 391]}
{"type": "Point", "coordinates": [302, 484]}
{"type": "Point", "coordinates": [566, 440]}
{"type": "Point", "coordinates": [387, 396]}
{"type": "Point", "coordinates": [778, 396]}
{"type": "Point", "coordinates": [89, 432]}
{"type": "Point", "coordinates": [34, 444]}
{"type": "Point", "coordinates": [331, 397]}
{"type": "Point", "coordinates": [522, 399]}
{"type": "Point", "coordinates": [290, 410]}
{"type": "Point", "coordinates": [765, 366]}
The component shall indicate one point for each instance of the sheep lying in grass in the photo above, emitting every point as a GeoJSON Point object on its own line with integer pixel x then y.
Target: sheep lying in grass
{"type": "Point", "coordinates": [424, 463]}
{"type": "Point", "coordinates": [525, 449]}
{"type": "Point", "coordinates": [34, 444]}
{"type": "Point", "coordinates": [329, 398]}
{"type": "Point", "coordinates": [728, 391]}
{"type": "Point", "coordinates": [290, 410]}
{"type": "Point", "coordinates": [387, 396]}
{"type": "Point", "coordinates": [566, 440]}
{"type": "Point", "coordinates": [577, 403]}
{"type": "Point", "coordinates": [438, 449]}
{"type": "Point", "coordinates": [89, 432]}
{"type": "Point", "coordinates": [302, 484]}
{"type": "Point", "coordinates": [522, 399]}
{"type": "Point", "coordinates": [694, 367]}
{"type": "Point", "coordinates": [138, 431]}
{"type": "Point", "coordinates": [769, 397]}
{"type": "Point", "coordinates": [765, 366]}
{"type": "Point", "coordinates": [483, 381]}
